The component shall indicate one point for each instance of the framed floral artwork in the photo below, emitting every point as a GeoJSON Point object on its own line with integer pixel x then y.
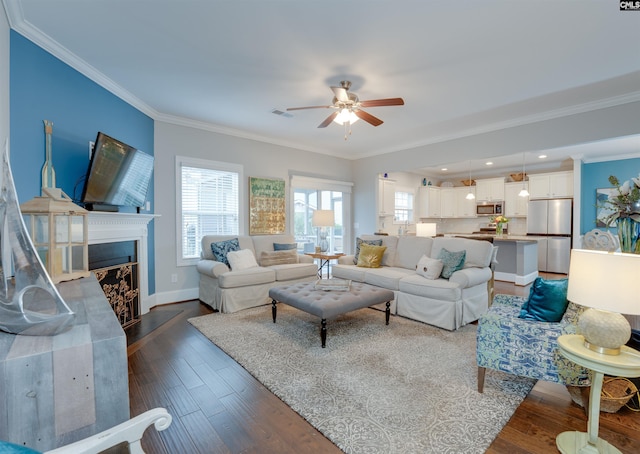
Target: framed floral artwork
{"type": "Point", "coordinates": [266, 206]}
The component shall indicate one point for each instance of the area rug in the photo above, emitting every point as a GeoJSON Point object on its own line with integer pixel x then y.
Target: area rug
{"type": "Point", "coordinates": [403, 388]}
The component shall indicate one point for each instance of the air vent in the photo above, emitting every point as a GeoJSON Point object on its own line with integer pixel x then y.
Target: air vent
{"type": "Point", "coordinates": [281, 113]}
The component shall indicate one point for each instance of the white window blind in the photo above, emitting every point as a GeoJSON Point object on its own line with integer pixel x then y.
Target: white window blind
{"type": "Point", "coordinates": [209, 203]}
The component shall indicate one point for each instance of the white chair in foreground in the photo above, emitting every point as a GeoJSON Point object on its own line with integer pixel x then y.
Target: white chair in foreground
{"type": "Point", "coordinates": [130, 431]}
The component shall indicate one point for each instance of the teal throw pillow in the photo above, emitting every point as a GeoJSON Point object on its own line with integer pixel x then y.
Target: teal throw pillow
{"type": "Point", "coordinates": [359, 242]}
{"type": "Point", "coordinates": [284, 246]}
{"type": "Point", "coordinates": [451, 262]}
{"type": "Point", "coordinates": [547, 300]}
{"type": "Point", "coordinates": [221, 248]}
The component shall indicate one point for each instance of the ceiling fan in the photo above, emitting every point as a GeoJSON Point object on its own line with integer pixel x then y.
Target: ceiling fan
{"type": "Point", "coordinates": [348, 108]}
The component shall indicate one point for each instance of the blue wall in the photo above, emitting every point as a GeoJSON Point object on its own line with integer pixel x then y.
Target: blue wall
{"type": "Point", "coordinates": [596, 175]}
{"type": "Point", "coordinates": [44, 88]}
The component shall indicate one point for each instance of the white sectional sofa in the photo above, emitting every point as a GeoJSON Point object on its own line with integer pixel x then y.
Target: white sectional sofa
{"type": "Point", "coordinates": [447, 303]}
{"type": "Point", "coordinates": [227, 290]}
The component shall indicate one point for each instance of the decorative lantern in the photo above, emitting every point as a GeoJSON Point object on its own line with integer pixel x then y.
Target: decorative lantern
{"type": "Point", "coordinates": [58, 229]}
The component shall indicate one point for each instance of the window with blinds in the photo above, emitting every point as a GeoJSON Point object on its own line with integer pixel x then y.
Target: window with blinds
{"type": "Point", "coordinates": [209, 203]}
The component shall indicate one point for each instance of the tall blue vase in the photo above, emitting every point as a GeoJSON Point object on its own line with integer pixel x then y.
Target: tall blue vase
{"type": "Point", "coordinates": [628, 234]}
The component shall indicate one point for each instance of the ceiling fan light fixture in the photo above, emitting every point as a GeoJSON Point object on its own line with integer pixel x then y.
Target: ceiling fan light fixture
{"type": "Point", "coordinates": [346, 116]}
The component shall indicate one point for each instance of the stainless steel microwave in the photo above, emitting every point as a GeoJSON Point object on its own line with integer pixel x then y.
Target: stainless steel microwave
{"type": "Point", "coordinates": [489, 209]}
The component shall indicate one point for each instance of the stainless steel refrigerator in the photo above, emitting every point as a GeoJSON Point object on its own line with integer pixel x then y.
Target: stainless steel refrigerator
{"type": "Point", "coordinates": [551, 220]}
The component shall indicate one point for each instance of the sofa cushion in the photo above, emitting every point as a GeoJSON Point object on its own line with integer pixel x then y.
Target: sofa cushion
{"type": "Point", "coordinates": [295, 271]}
{"type": "Point", "coordinates": [410, 250]}
{"type": "Point", "coordinates": [359, 243]}
{"type": "Point", "coordinates": [451, 261]}
{"type": "Point", "coordinates": [245, 278]}
{"type": "Point", "coordinates": [478, 252]}
{"type": "Point", "coordinates": [349, 272]}
{"type": "Point", "coordinates": [278, 257]}
{"type": "Point", "coordinates": [370, 256]}
{"type": "Point", "coordinates": [438, 289]}
{"type": "Point", "coordinates": [263, 243]}
{"type": "Point", "coordinates": [241, 260]}
{"type": "Point", "coordinates": [390, 242]}
{"type": "Point", "coordinates": [221, 248]}
{"type": "Point", "coordinates": [284, 246]}
{"type": "Point", "coordinates": [387, 276]}
{"type": "Point", "coordinates": [429, 268]}
{"type": "Point", "coordinates": [547, 300]}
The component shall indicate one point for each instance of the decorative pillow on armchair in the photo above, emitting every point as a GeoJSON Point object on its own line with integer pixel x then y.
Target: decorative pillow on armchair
{"type": "Point", "coordinates": [221, 248]}
{"type": "Point", "coordinates": [360, 242]}
{"type": "Point", "coordinates": [429, 268]}
{"type": "Point", "coordinates": [451, 261]}
{"type": "Point", "coordinates": [547, 300]}
{"type": "Point", "coordinates": [370, 256]}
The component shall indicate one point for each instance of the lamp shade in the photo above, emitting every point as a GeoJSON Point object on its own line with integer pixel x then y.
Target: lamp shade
{"type": "Point", "coordinates": [426, 229]}
{"type": "Point", "coordinates": [605, 280]}
{"type": "Point", "coordinates": [323, 218]}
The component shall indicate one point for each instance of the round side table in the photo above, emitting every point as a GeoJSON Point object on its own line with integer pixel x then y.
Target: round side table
{"type": "Point", "coordinates": [626, 364]}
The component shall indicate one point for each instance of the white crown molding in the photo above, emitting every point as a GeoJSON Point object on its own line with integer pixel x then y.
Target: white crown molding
{"type": "Point", "coordinates": [520, 121]}
{"type": "Point", "coordinates": [19, 24]}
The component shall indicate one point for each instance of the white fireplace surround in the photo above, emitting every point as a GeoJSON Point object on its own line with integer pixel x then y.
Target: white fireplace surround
{"type": "Point", "coordinates": [114, 227]}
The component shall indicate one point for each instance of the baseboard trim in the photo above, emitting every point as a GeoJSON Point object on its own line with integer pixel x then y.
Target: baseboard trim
{"type": "Point", "coordinates": [175, 296]}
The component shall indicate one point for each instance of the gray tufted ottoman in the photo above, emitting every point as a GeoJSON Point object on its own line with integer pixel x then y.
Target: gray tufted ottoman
{"type": "Point", "coordinates": [329, 304]}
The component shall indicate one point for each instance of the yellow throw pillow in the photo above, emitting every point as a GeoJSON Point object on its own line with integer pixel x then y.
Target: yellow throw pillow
{"type": "Point", "coordinates": [370, 256]}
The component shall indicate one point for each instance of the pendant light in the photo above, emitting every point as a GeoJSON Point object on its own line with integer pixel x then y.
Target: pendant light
{"type": "Point", "coordinates": [471, 195]}
{"type": "Point", "coordinates": [523, 192]}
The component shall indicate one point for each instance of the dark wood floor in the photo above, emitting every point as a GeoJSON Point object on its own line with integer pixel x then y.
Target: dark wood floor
{"type": "Point", "coordinates": [218, 407]}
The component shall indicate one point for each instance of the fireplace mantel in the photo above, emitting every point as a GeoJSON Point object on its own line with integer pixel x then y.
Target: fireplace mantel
{"type": "Point", "coordinates": [113, 227]}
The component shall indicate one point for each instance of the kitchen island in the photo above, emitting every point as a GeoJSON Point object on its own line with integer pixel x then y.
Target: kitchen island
{"type": "Point", "coordinates": [517, 258]}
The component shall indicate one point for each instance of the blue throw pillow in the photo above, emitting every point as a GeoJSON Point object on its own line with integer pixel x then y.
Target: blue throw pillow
{"type": "Point", "coordinates": [284, 246]}
{"type": "Point", "coordinates": [547, 300]}
{"type": "Point", "coordinates": [451, 261]}
{"type": "Point", "coordinates": [221, 248]}
{"type": "Point", "coordinates": [359, 242]}
{"type": "Point", "coordinates": [10, 448]}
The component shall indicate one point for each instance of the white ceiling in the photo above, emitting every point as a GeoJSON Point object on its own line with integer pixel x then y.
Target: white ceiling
{"type": "Point", "coordinates": [461, 66]}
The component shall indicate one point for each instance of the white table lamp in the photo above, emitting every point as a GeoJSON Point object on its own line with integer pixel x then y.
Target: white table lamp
{"type": "Point", "coordinates": [607, 283]}
{"type": "Point", "coordinates": [426, 229]}
{"type": "Point", "coordinates": [321, 219]}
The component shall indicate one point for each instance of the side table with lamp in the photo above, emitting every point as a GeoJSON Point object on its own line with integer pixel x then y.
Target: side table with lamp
{"type": "Point", "coordinates": [606, 283]}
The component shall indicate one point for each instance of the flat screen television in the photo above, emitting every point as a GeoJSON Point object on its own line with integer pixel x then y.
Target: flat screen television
{"type": "Point", "coordinates": [118, 175]}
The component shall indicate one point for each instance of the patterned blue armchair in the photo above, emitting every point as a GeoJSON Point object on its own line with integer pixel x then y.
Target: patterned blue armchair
{"type": "Point", "coordinates": [524, 347]}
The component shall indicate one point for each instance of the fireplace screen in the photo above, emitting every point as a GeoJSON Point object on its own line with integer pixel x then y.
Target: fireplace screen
{"type": "Point", "coordinates": [120, 285]}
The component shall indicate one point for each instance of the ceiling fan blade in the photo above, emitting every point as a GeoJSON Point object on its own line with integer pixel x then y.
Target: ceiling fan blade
{"type": "Point", "coordinates": [383, 102]}
{"type": "Point", "coordinates": [308, 107]}
{"type": "Point", "coordinates": [368, 117]}
{"type": "Point", "coordinates": [340, 94]}
{"type": "Point", "coordinates": [328, 120]}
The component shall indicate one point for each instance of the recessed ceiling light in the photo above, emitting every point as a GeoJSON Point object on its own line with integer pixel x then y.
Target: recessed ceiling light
{"type": "Point", "coordinates": [489, 163]}
{"type": "Point", "coordinates": [542, 156]}
{"type": "Point", "coordinates": [444, 169]}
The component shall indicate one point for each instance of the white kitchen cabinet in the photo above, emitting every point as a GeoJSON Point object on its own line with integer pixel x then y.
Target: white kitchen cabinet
{"type": "Point", "coordinates": [429, 202]}
{"type": "Point", "coordinates": [465, 208]}
{"type": "Point", "coordinates": [514, 205]}
{"type": "Point", "coordinates": [490, 190]}
{"type": "Point", "coordinates": [551, 185]}
{"type": "Point", "coordinates": [448, 208]}
{"type": "Point", "coordinates": [386, 197]}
